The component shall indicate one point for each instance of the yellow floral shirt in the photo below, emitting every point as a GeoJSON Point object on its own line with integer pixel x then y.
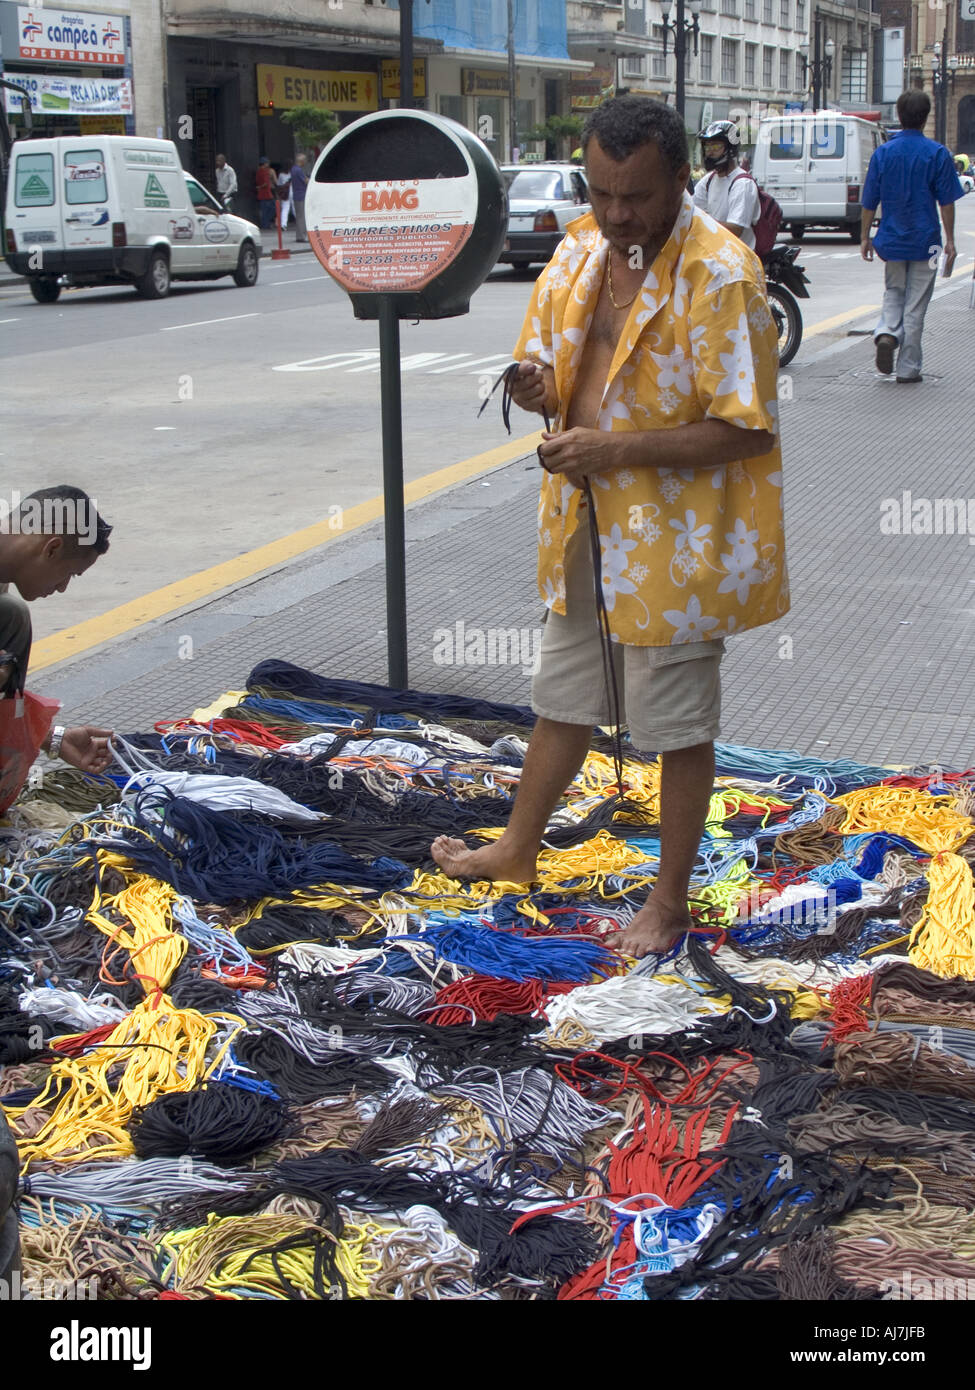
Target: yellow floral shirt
{"type": "Point", "coordinates": [687, 555]}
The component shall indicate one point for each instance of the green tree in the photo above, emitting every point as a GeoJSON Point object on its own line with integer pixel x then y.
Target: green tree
{"type": "Point", "coordinates": [310, 125]}
{"type": "Point", "coordinates": [556, 132]}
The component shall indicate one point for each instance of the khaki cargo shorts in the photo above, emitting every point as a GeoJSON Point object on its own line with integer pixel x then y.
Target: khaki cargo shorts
{"type": "Point", "coordinates": [670, 696]}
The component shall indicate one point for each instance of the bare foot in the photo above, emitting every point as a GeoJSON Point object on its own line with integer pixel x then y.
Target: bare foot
{"type": "Point", "coordinates": [497, 861]}
{"type": "Point", "coordinates": [654, 929]}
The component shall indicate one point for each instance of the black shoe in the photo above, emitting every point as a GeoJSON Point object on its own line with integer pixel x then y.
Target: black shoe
{"type": "Point", "coordinates": [886, 346]}
{"type": "Point", "coordinates": [908, 380]}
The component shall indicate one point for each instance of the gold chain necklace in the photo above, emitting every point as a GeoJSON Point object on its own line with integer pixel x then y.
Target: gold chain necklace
{"type": "Point", "coordinates": [610, 287]}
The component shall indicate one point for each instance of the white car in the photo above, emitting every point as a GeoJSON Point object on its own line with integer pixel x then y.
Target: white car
{"type": "Point", "coordinates": [118, 210]}
{"type": "Point", "coordinates": [542, 200]}
{"type": "Point", "coordinates": [967, 183]}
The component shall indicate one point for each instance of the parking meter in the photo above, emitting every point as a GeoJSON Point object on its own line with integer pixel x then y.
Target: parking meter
{"type": "Point", "coordinates": [407, 211]}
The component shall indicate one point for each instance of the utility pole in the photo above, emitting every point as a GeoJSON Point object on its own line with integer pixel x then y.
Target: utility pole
{"type": "Point", "coordinates": [681, 29]}
{"type": "Point", "coordinates": [680, 57]}
{"type": "Point", "coordinates": [512, 83]}
{"type": "Point", "coordinates": [406, 55]}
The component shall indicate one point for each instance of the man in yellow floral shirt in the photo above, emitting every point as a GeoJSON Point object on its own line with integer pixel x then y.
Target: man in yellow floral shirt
{"type": "Point", "coordinates": [650, 344]}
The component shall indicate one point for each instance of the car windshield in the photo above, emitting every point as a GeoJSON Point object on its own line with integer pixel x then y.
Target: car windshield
{"type": "Point", "coordinates": [536, 183]}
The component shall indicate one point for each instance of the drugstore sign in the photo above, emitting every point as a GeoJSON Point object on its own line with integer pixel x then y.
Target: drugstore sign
{"type": "Point", "coordinates": [67, 36]}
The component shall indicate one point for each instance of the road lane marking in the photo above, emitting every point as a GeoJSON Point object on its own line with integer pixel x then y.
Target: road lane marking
{"type": "Point", "coordinates": [406, 364]}
{"type": "Point", "coordinates": [330, 361]}
{"type": "Point", "coordinates": [195, 588]}
{"type": "Point", "coordinates": [297, 279]}
{"type": "Point", "coordinates": [201, 323]}
{"type": "Point", "coordinates": [473, 362]}
{"type": "Point", "coordinates": [9, 320]}
{"type": "Point", "coordinates": [838, 319]}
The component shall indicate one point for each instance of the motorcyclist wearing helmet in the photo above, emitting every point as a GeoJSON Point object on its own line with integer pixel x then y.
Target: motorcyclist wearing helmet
{"type": "Point", "coordinates": [726, 191]}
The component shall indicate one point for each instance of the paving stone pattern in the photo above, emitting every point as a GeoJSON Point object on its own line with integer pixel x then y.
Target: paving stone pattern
{"type": "Point", "coordinates": [875, 662]}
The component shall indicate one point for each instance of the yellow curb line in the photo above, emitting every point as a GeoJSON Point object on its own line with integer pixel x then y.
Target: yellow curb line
{"type": "Point", "coordinates": [82, 637]}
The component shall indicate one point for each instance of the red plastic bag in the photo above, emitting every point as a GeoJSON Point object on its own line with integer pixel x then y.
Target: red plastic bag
{"type": "Point", "coordinates": [25, 722]}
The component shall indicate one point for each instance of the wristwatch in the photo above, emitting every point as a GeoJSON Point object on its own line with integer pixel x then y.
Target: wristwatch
{"type": "Point", "coordinates": [57, 734]}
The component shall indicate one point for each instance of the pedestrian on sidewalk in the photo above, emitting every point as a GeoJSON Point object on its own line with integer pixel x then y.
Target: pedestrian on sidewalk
{"type": "Point", "coordinates": [226, 183]}
{"type": "Point", "coordinates": [910, 177]}
{"type": "Point", "coordinates": [727, 192]}
{"type": "Point", "coordinates": [265, 182]}
{"type": "Point", "coordinates": [50, 538]}
{"type": "Point", "coordinates": [650, 344]}
{"type": "Point", "coordinates": [299, 186]}
{"type": "Point", "coordinates": [283, 191]}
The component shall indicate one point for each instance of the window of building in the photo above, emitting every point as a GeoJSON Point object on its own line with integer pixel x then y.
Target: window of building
{"type": "Point", "coordinates": [453, 107]}
{"type": "Point", "coordinates": [658, 63]}
{"type": "Point", "coordinates": [853, 80]}
{"type": "Point", "coordinates": [751, 58]}
{"type": "Point", "coordinates": [751, 11]}
{"type": "Point", "coordinates": [801, 16]}
{"type": "Point", "coordinates": [729, 63]}
{"type": "Point", "coordinates": [784, 69]}
{"type": "Point", "coordinates": [784, 14]}
{"type": "Point", "coordinates": [707, 57]}
{"type": "Point", "coordinates": [767, 11]}
{"type": "Point", "coordinates": [730, 7]}
{"type": "Point", "coordinates": [768, 58]}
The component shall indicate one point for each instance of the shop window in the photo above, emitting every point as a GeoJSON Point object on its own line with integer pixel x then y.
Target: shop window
{"type": "Point", "coordinates": [453, 107]}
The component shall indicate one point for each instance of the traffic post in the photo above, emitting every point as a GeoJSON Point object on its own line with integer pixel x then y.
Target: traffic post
{"type": "Point", "coordinates": [282, 253]}
{"type": "Point", "coordinates": [407, 211]}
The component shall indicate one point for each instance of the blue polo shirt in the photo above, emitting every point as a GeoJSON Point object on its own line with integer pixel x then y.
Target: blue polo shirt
{"type": "Point", "coordinates": [910, 176]}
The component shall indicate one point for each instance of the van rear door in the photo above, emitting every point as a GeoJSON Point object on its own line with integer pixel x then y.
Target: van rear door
{"type": "Point", "coordinates": [34, 198]}
{"type": "Point", "coordinates": [85, 178]}
{"type": "Point", "coordinates": [784, 161]}
{"type": "Point", "coordinates": [829, 142]}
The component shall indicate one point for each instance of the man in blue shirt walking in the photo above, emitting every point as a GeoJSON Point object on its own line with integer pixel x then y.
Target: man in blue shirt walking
{"type": "Point", "coordinates": [910, 177]}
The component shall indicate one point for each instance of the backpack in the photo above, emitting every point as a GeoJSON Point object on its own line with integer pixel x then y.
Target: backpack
{"type": "Point", "coordinates": [766, 225]}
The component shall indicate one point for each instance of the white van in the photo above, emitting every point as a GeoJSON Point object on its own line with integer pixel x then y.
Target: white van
{"type": "Point", "coordinates": [814, 165]}
{"type": "Point", "coordinates": [117, 210]}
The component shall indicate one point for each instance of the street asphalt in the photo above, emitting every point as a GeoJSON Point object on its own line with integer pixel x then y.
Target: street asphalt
{"type": "Point", "coordinates": [874, 662]}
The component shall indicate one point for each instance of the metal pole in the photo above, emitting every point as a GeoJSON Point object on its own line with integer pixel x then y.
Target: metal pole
{"type": "Point", "coordinates": [392, 419]}
{"type": "Point", "coordinates": [817, 66]}
{"type": "Point", "coordinates": [512, 83]}
{"type": "Point", "coordinates": [406, 55]}
{"type": "Point", "coordinates": [680, 48]}
{"type": "Point", "coordinates": [943, 108]}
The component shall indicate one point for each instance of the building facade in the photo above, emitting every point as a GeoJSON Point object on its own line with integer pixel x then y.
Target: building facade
{"type": "Point", "coordinates": [86, 71]}
{"type": "Point", "coordinates": [753, 56]}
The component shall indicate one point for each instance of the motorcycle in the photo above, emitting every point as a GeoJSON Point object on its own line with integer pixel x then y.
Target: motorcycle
{"type": "Point", "coordinates": [785, 281]}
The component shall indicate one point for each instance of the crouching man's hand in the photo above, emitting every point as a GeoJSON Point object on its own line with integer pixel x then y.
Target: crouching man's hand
{"type": "Point", "coordinates": [87, 748]}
